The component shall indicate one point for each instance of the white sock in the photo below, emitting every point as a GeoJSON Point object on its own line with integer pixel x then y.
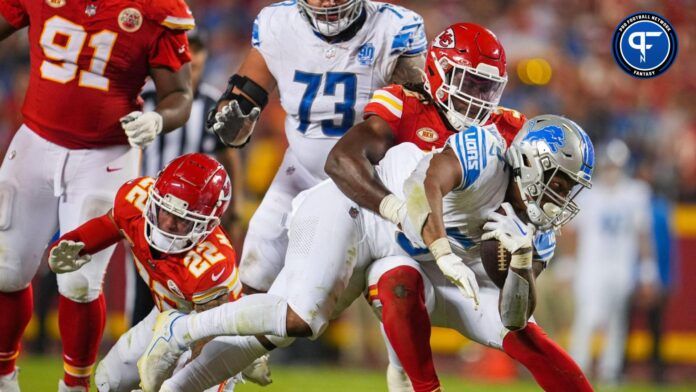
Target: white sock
{"type": "Point", "coordinates": [221, 358]}
{"type": "Point", "coordinates": [257, 314]}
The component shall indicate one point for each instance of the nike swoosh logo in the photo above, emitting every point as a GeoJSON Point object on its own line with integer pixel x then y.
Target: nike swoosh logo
{"type": "Point", "coordinates": [112, 169]}
{"type": "Point", "coordinates": [519, 227]}
{"type": "Point", "coordinates": [214, 278]}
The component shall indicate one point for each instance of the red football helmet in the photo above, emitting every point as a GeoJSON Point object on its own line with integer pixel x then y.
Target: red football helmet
{"type": "Point", "coordinates": [186, 202]}
{"type": "Point", "coordinates": [465, 73]}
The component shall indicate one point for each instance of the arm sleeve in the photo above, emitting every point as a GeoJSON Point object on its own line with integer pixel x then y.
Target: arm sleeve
{"type": "Point", "coordinates": [97, 234]}
{"type": "Point", "coordinates": [544, 246]}
{"type": "Point", "coordinates": [387, 103]}
{"type": "Point", "coordinates": [15, 13]}
{"type": "Point", "coordinates": [170, 50]}
{"type": "Point", "coordinates": [469, 147]}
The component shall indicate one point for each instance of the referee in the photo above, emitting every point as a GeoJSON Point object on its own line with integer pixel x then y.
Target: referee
{"type": "Point", "coordinates": [192, 137]}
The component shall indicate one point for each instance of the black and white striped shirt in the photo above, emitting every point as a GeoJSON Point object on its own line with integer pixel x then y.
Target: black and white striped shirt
{"type": "Point", "coordinates": [192, 137]}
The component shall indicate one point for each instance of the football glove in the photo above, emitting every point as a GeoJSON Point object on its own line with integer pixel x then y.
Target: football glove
{"type": "Point", "coordinates": [141, 128]}
{"type": "Point", "coordinates": [509, 230]}
{"type": "Point", "coordinates": [65, 257]}
{"type": "Point", "coordinates": [454, 269]}
{"type": "Point", "coordinates": [232, 126]}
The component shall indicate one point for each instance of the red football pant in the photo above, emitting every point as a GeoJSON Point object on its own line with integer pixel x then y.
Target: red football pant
{"type": "Point", "coordinates": [17, 307]}
{"type": "Point", "coordinates": [407, 325]}
{"type": "Point", "coordinates": [81, 327]}
{"type": "Point", "coordinates": [552, 368]}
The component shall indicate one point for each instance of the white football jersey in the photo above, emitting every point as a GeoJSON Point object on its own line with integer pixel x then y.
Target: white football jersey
{"type": "Point", "coordinates": [485, 179]}
{"type": "Point", "coordinates": [609, 227]}
{"type": "Point", "coordinates": [324, 86]}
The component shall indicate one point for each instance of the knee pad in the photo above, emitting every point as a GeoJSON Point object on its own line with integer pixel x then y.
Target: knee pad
{"type": "Point", "coordinates": [78, 286]}
{"type": "Point", "coordinates": [95, 205]}
{"type": "Point", "coordinates": [108, 377]}
{"type": "Point", "coordinates": [7, 195]}
{"type": "Point", "coordinates": [12, 277]}
{"type": "Point", "coordinates": [280, 342]}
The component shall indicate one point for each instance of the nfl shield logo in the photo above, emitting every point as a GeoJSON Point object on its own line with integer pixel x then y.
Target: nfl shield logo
{"type": "Point", "coordinates": [366, 54]}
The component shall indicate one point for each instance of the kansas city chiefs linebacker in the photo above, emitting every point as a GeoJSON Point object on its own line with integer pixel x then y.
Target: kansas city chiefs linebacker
{"type": "Point", "coordinates": [464, 79]}
{"type": "Point", "coordinates": [89, 61]}
{"type": "Point", "coordinates": [179, 249]}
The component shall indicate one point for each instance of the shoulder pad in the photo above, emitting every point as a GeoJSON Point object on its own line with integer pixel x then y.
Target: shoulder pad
{"type": "Point", "coordinates": [508, 122]}
{"type": "Point", "coordinates": [173, 14]}
{"type": "Point", "coordinates": [131, 197]}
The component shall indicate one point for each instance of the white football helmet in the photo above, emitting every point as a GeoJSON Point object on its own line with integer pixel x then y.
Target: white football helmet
{"type": "Point", "coordinates": [546, 146]}
{"type": "Point", "coordinates": [331, 21]}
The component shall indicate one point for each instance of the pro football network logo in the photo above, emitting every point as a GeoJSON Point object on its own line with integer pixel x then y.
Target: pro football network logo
{"type": "Point", "coordinates": [644, 45]}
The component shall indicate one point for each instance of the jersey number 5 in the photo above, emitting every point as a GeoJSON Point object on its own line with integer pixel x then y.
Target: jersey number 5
{"type": "Point", "coordinates": [66, 52]}
{"type": "Point", "coordinates": [345, 108]}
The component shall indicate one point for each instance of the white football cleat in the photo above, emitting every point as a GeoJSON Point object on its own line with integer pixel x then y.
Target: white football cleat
{"type": "Point", "coordinates": [64, 388]}
{"type": "Point", "coordinates": [161, 355]}
{"type": "Point", "coordinates": [258, 372]}
{"type": "Point", "coordinates": [397, 380]}
{"type": "Point", "coordinates": [9, 382]}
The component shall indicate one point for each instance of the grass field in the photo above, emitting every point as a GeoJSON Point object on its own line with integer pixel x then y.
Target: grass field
{"type": "Point", "coordinates": [39, 374]}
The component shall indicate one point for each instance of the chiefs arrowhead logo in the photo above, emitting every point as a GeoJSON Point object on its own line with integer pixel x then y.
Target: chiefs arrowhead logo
{"type": "Point", "coordinates": [445, 40]}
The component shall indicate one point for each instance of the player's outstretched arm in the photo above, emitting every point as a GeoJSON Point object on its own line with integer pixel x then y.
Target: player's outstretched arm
{"type": "Point", "coordinates": [443, 176]}
{"type": "Point", "coordinates": [240, 105]}
{"type": "Point", "coordinates": [74, 249]}
{"type": "Point", "coordinates": [6, 29]}
{"type": "Point", "coordinates": [350, 163]}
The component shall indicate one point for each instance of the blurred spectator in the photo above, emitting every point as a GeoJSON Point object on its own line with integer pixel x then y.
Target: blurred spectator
{"type": "Point", "coordinates": [614, 242]}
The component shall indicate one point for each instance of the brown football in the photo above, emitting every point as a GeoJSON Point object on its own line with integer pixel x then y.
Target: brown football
{"type": "Point", "coordinates": [495, 259]}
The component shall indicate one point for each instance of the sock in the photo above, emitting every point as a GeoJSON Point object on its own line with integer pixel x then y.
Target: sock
{"type": "Point", "coordinates": [17, 307]}
{"type": "Point", "coordinates": [407, 325]}
{"type": "Point", "coordinates": [256, 314]}
{"type": "Point", "coordinates": [81, 326]}
{"type": "Point", "coordinates": [552, 368]}
{"type": "Point", "coordinates": [220, 359]}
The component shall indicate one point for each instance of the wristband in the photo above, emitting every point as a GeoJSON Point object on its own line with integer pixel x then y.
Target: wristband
{"type": "Point", "coordinates": [440, 247]}
{"type": "Point", "coordinates": [521, 261]}
{"type": "Point", "coordinates": [389, 208]}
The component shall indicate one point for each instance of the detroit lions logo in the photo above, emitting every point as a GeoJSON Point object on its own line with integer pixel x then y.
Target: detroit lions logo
{"type": "Point", "coordinates": [552, 135]}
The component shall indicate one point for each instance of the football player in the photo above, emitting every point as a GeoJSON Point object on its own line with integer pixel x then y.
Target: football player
{"type": "Point", "coordinates": [333, 241]}
{"type": "Point", "coordinates": [172, 225]}
{"type": "Point", "coordinates": [89, 61]}
{"type": "Point", "coordinates": [464, 79]}
{"type": "Point", "coordinates": [325, 57]}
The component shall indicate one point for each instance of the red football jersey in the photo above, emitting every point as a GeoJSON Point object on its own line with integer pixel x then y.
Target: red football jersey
{"type": "Point", "coordinates": [415, 120]}
{"type": "Point", "coordinates": [176, 280]}
{"type": "Point", "coordinates": [90, 59]}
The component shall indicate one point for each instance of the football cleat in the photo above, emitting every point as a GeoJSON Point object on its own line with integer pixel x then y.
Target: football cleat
{"type": "Point", "coordinates": [397, 380]}
{"type": "Point", "coordinates": [161, 355]}
{"type": "Point", "coordinates": [258, 372]}
{"type": "Point", "coordinates": [9, 382]}
{"type": "Point", "coordinates": [64, 388]}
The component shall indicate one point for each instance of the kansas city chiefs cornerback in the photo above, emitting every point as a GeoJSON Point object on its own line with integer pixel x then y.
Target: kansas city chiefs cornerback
{"type": "Point", "coordinates": [89, 61]}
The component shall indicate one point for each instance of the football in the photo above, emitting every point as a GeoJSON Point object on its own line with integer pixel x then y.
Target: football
{"type": "Point", "coordinates": [495, 258]}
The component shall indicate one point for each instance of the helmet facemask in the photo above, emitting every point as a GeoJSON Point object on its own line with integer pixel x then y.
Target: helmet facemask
{"type": "Point", "coordinates": [468, 95]}
{"type": "Point", "coordinates": [191, 227]}
{"type": "Point", "coordinates": [546, 208]}
{"type": "Point", "coordinates": [331, 21]}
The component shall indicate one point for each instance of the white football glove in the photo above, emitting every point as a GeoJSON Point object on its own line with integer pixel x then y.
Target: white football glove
{"type": "Point", "coordinates": [455, 270]}
{"type": "Point", "coordinates": [65, 257]}
{"type": "Point", "coordinates": [460, 275]}
{"type": "Point", "coordinates": [141, 128]}
{"type": "Point", "coordinates": [230, 122]}
{"type": "Point", "coordinates": [509, 230]}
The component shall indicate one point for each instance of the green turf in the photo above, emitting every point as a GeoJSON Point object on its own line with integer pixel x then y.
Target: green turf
{"type": "Point", "coordinates": [40, 374]}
